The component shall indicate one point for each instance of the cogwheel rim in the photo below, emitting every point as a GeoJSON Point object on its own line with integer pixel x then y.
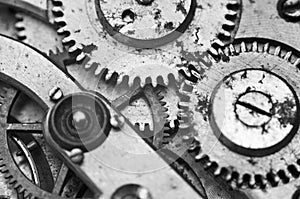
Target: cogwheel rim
{"type": "Point", "coordinates": [11, 172]}
{"type": "Point", "coordinates": [238, 177]}
{"type": "Point", "coordinates": [15, 56]}
{"type": "Point", "coordinates": [79, 46]}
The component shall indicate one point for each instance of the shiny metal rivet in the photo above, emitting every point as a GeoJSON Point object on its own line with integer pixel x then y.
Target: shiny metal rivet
{"type": "Point", "coordinates": [132, 191]}
{"type": "Point", "coordinates": [55, 94]}
{"type": "Point", "coordinates": [289, 10]}
{"type": "Point", "coordinates": [76, 156]}
{"type": "Point", "coordinates": [145, 2]}
{"type": "Point", "coordinates": [117, 121]}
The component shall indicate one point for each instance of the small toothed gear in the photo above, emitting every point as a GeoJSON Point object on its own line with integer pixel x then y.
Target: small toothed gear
{"type": "Point", "coordinates": [112, 36]}
{"type": "Point", "coordinates": [14, 177]}
{"type": "Point", "coordinates": [29, 28]}
{"type": "Point", "coordinates": [20, 64]}
{"type": "Point", "coordinates": [245, 113]}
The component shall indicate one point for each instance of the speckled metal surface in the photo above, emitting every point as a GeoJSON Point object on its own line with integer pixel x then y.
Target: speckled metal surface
{"type": "Point", "coordinates": [212, 87]}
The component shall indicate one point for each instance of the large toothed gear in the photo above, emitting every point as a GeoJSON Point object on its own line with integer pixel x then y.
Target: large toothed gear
{"type": "Point", "coordinates": [115, 35]}
{"type": "Point", "coordinates": [246, 114]}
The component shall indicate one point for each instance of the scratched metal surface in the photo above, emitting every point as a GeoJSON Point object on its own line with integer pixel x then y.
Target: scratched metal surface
{"type": "Point", "coordinates": [214, 82]}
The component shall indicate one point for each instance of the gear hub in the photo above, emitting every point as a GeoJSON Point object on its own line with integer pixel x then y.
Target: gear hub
{"type": "Point", "coordinates": [79, 121]}
{"type": "Point", "coordinates": [144, 23]}
{"type": "Point", "coordinates": [260, 112]}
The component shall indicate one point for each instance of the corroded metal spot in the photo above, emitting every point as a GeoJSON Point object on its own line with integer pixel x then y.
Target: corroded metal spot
{"type": "Point", "coordinates": [254, 112]}
{"type": "Point", "coordinates": [157, 19]}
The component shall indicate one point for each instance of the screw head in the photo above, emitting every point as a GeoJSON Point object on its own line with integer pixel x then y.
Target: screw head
{"type": "Point", "coordinates": [55, 94]}
{"type": "Point", "coordinates": [254, 111]}
{"type": "Point", "coordinates": [145, 2]}
{"type": "Point", "coordinates": [289, 10]}
{"type": "Point", "coordinates": [117, 121]}
{"type": "Point", "coordinates": [76, 156]}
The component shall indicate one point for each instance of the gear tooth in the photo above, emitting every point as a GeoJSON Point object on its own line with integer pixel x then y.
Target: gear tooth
{"type": "Point", "coordinates": [199, 157]}
{"type": "Point", "coordinates": [232, 13]}
{"type": "Point", "coordinates": [194, 146]}
{"type": "Point", "coordinates": [255, 46]}
{"type": "Point", "coordinates": [172, 81]}
{"type": "Point", "coordinates": [232, 50]}
{"type": "Point", "coordinates": [60, 21]}
{"type": "Point", "coordinates": [228, 177]}
{"type": "Point", "coordinates": [142, 127]}
{"type": "Point", "coordinates": [288, 56]}
{"type": "Point", "coordinates": [108, 75]}
{"type": "Point", "coordinates": [230, 23]}
{"type": "Point", "coordinates": [213, 52]}
{"type": "Point", "coordinates": [207, 164]}
{"type": "Point", "coordinates": [224, 33]}
{"type": "Point", "coordinates": [218, 42]}
{"type": "Point", "coordinates": [264, 182]}
{"type": "Point", "coordinates": [218, 171]}
{"type": "Point", "coordinates": [57, 11]}
{"type": "Point", "coordinates": [240, 181]}
{"type": "Point", "coordinates": [67, 39]}
{"type": "Point", "coordinates": [277, 51]}
{"type": "Point", "coordinates": [243, 47]}
{"type": "Point", "coordinates": [154, 83]}
{"type": "Point", "coordinates": [266, 47]}
{"type": "Point", "coordinates": [19, 25]}
{"type": "Point", "coordinates": [297, 63]}
{"type": "Point", "coordinates": [81, 57]}
{"type": "Point", "coordinates": [252, 182]}
{"type": "Point", "coordinates": [62, 30]}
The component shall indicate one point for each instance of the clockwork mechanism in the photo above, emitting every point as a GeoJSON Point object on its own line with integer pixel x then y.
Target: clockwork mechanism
{"type": "Point", "coordinates": [149, 99]}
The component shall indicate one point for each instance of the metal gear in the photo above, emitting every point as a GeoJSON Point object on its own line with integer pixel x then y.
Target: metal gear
{"type": "Point", "coordinates": [100, 20]}
{"type": "Point", "coordinates": [277, 20]}
{"type": "Point", "coordinates": [239, 105]}
{"type": "Point", "coordinates": [30, 21]}
{"type": "Point", "coordinates": [29, 28]}
{"type": "Point", "coordinates": [21, 59]}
